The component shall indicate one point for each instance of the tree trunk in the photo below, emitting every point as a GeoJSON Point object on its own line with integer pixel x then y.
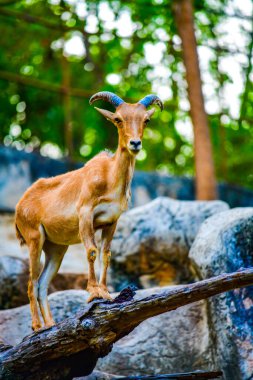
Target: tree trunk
{"type": "Point", "coordinates": [248, 81]}
{"type": "Point", "coordinates": [204, 165]}
{"type": "Point", "coordinates": [72, 347]}
{"type": "Point", "coordinates": [68, 130]}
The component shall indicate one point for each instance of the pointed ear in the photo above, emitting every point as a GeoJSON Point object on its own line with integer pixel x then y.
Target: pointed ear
{"type": "Point", "coordinates": [107, 114]}
{"type": "Point", "coordinates": [150, 112]}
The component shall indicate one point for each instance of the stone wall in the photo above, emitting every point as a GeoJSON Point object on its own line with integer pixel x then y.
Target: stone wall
{"type": "Point", "coordinates": [18, 170]}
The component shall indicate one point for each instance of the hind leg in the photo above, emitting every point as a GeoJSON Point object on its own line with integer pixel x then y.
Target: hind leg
{"type": "Point", "coordinates": [54, 254]}
{"type": "Point", "coordinates": [35, 243]}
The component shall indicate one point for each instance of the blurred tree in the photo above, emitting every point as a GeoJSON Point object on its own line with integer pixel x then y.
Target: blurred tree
{"type": "Point", "coordinates": [55, 54]}
{"type": "Point", "coordinates": [205, 174]}
{"type": "Point", "coordinates": [68, 132]}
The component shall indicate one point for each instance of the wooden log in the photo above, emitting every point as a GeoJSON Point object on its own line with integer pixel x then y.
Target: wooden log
{"type": "Point", "coordinates": [72, 347]}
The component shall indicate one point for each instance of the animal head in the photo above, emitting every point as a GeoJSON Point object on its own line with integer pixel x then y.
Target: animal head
{"type": "Point", "coordinates": [130, 119]}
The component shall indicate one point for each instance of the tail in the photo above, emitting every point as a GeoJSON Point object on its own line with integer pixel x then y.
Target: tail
{"type": "Point", "coordinates": [19, 236]}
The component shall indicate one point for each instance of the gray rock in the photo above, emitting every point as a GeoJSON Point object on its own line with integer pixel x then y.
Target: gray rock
{"type": "Point", "coordinates": [14, 274]}
{"type": "Point", "coordinates": [177, 341]}
{"type": "Point", "coordinates": [151, 243]}
{"type": "Point", "coordinates": [225, 244]}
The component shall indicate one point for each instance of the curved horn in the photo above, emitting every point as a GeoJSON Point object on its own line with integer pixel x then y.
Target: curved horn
{"type": "Point", "coordinates": [110, 97]}
{"type": "Point", "coordinates": [151, 99]}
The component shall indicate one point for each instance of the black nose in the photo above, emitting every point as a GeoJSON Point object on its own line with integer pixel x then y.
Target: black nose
{"type": "Point", "coordinates": [136, 144]}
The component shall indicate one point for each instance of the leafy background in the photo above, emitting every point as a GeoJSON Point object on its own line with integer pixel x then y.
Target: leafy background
{"type": "Point", "coordinates": [56, 54]}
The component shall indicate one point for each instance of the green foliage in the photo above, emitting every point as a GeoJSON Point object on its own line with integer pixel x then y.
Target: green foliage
{"type": "Point", "coordinates": [33, 118]}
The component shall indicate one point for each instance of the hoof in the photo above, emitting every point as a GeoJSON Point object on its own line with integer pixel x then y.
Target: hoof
{"type": "Point", "coordinates": [49, 324]}
{"type": "Point", "coordinates": [98, 292]}
{"type": "Point", "coordinates": [104, 293]}
{"type": "Point", "coordinates": [94, 293]}
{"type": "Point", "coordinates": [36, 326]}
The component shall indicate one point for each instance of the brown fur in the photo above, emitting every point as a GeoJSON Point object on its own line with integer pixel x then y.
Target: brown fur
{"type": "Point", "coordinates": [19, 236]}
{"type": "Point", "coordinates": [68, 209]}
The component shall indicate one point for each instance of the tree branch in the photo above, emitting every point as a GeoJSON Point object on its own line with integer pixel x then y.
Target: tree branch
{"type": "Point", "coordinates": [47, 86]}
{"type": "Point", "coordinates": [32, 19]}
{"type": "Point", "coordinates": [200, 375]}
{"type": "Point", "coordinates": [72, 347]}
{"type": "Point", "coordinates": [8, 2]}
{"type": "Point", "coordinates": [37, 83]}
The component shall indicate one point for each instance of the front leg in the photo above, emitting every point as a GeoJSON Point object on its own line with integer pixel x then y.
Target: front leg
{"type": "Point", "coordinates": [87, 235]}
{"type": "Point", "coordinates": [107, 235]}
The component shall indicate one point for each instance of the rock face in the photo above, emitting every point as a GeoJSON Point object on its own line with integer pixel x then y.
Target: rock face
{"type": "Point", "coordinates": [13, 279]}
{"type": "Point", "coordinates": [225, 244]}
{"type": "Point", "coordinates": [175, 341]}
{"type": "Point", "coordinates": [178, 341]}
{"type": "Point", "coordinates": [14, 274]}
{"type": "Point", "coordinates": [151, 243]}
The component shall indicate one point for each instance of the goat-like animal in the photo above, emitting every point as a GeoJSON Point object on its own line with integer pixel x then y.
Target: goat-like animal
{"type": "Point", "coordinates": [68, 209]}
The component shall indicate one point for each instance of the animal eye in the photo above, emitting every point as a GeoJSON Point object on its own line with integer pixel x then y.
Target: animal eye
{"type": "Point", "coordinates": [117, 120]}
{"type": "Point", "coordinates": [146, 121]}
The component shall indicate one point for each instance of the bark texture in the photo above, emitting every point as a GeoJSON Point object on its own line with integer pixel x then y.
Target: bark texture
{"type": "Point", "coordinates": [205, 173]}
{"type": "Point", "coordinates": [72, 347]}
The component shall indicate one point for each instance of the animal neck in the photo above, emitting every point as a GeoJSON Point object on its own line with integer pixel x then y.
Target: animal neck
{"type": "Point", "coordinates": [124, 168]}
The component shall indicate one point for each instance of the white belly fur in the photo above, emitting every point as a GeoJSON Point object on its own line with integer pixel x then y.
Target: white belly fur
{"type": "Point", "coordinates": [107, 213]}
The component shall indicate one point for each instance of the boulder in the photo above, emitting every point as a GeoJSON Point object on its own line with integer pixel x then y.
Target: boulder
{"type": "Point", "coordinates": [152, 242]}
{"type": "Point", "coordinates": [178, 341]}
{"type": "Point", "coordinates": [175, 341]}
{"type": "Point", "coordinates": [14, 274]}
{"type": "Point", "coordinates": [225, 244]}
